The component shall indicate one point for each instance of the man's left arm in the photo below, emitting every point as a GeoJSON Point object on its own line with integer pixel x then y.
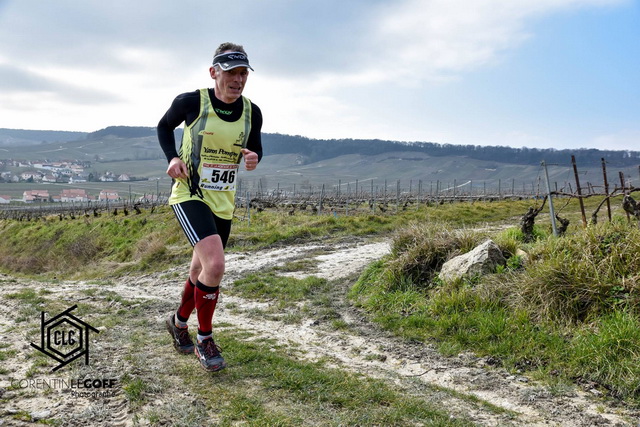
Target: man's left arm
{"type": "Point", "coordinates": [254, 143]}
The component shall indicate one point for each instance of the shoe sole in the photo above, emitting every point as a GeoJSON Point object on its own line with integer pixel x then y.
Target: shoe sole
{"type": "Point", "coordinates": [173, 338]}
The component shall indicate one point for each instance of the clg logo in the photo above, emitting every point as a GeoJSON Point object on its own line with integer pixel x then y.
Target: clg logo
{"type": "Point", "coordinates": [64, 338]}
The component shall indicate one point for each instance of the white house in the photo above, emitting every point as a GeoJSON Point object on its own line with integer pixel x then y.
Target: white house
{"type": "Point", "coordinates": [34, 176]}
{"type": "Point", "coordinates": [108, 195]}
{"type": "Point", "coordinates": [74, 195]}
{"type": "Point", "coordinates": [77, 178]}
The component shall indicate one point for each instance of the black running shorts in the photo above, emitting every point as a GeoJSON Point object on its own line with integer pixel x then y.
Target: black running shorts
{"type": "Point", "coordinates": [197, 222]}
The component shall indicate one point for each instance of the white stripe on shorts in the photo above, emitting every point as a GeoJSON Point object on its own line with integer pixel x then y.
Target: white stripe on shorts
{"type": "Point", "coordinates": [186, 226]}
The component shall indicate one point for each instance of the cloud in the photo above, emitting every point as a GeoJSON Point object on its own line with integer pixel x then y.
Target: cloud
{"type": "Point", "coordinates": [404, 42]}
{"type": "Point", "coordinates": [90, 34]}
{"type": "Point", "coordinates": [411, 44]}
{"type": "Point", "coordinates": [18, 80]}
{"type": "Point", "coordinates": [436, 37]}
{"type": "Point", "coordinates": [14, 79]}
{"type": "Point", "coordinates": [426, 39]}
{"type": "Point", "coordinates": [362, 68]}
{"type": "Point", "coordinates": [445, 36]}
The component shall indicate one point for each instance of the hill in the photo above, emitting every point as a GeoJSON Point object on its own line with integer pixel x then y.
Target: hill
{"type": "Point", "coordinates": [316, 150]}
{"type": "Point", "coordinates": [14, 137]}
{"type": "Point", "coordinates": [313, 150]}
{"type": "Point", "coordinates": [295, 161]}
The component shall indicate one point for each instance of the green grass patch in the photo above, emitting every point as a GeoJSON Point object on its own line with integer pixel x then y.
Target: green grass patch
{"type": "Point", "coordinates": [264, 387]}
{"type": "Point", "coordinates": [134, 390]}
{"type": "Point", "coordinates": [298, 265]}
{"type": "Point", "coordinates": [27, 296]}
{"type": "Point", "coordinates": [7, 354]}
{"type": "Point", "coordinates": [285, 290]}
{"type": "Point", "coordinates": [570, 311]}
{"type": "Point", "coordinates": [291, 300]}
{"type": "Point", "coordinates": [608, 353]}
{"type": "Point", "coordinates": [87, 246]}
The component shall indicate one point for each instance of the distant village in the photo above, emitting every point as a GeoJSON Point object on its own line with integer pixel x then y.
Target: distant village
{"type": "Point", "coordinates": [57, 172]}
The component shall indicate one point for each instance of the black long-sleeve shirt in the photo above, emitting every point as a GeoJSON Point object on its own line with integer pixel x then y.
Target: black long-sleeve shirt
{"type": "Point", "coordinates": [186, 107]}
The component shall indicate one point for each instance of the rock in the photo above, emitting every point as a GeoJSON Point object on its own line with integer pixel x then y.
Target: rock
{"type": "Point", "coordinates": [481, 260]}
{"type": "Point", "coordinates": [40, 415]}
{"type": "Point", "coordinates": [524, 257]}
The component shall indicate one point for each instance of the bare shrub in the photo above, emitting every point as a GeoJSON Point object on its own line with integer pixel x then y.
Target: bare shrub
{"type": "Point", "coordinates": [25, 264]}
{"type": "Point", "coordinates": [83, 248]}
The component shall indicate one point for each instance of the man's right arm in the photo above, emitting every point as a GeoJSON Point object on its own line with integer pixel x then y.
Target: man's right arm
{"type": "Point", "coordinates": [184, 108]}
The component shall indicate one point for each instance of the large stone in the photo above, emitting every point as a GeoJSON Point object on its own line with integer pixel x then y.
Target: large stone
{"type": "Point", "coordinates": [481, 260]}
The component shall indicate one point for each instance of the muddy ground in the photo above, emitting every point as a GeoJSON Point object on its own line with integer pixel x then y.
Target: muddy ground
{"type": "Point", "coordinates": [361, 348]}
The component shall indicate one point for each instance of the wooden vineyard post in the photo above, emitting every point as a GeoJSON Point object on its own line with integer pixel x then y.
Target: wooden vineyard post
{"type": "Point", "coordinates": [551, 211]}
{"type": "Point", "coordinates": [575, 173]}
{"type": "Point", "coordinates": [606, 188]}
{"type": "Point", "coordinates": [624, 191]}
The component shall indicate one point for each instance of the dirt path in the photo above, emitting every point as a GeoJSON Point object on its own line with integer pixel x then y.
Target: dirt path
{"type": "Point", "coordinates": [455, 383]}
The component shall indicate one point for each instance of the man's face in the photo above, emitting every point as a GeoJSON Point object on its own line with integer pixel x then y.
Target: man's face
{"type": "Point", "coordinates": [229, 84]}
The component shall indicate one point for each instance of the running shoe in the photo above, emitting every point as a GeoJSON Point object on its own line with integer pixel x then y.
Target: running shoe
{"type": "Point", "coordinates": [208, 353]}
{"type": "Point", "coordinates": [180, 337]}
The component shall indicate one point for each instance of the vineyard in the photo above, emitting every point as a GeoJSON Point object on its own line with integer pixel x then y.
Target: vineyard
{"type": "Point", "coordinates": [321, 201]}
{"type": "Point", "coordinates": [384, 197]}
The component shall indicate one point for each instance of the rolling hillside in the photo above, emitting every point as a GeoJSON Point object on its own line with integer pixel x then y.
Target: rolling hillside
{"type": "Point", "coordinates": [301, 162]}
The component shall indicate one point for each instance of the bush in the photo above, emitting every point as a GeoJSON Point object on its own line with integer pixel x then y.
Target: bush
{"type": "Point", "coordinates": [570, 312]}
{"type": "Point", "coordinates": [575, 278]}
{"type": "Point", "coordinates": [419, 250]}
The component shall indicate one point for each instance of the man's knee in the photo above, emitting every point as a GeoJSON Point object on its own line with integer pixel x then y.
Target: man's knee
{"type": "Point", "coordinates": [214, 267]}
{"type": "Point", "coordinates": [210, 255]}
{"type": "Point", "coordinates": [194, 271]}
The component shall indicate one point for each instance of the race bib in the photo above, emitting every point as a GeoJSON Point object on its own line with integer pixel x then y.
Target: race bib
{"type": "Point", "coordinates": [218, 177]}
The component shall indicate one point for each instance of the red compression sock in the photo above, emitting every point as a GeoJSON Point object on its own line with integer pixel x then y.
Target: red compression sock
{"type": "Point", "coordinates": [206, 299]}
{"type": "Point", "coordinates": [188, 302]}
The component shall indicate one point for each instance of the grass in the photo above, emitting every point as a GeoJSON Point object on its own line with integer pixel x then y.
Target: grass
{"type": "Point", "coordinates": [289, 299]}
{"type": "Point", "coordinates": [94, 247]}
{"type": "Point", "coordinates": [134, 389]}
{"type": "Point", "coordinates": [264, 387]}
{"type": "Point", "coordinates": [271, 287]}
{"type": "Point", "coordinates": [87, 247]}
{"type": "Point", "coordinates": [569, 312]}
{"type": "Point", "coordinates": [298, 265]}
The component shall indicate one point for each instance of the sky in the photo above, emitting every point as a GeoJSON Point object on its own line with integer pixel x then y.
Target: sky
{"type": "Point", "coordinates": [519, 73]}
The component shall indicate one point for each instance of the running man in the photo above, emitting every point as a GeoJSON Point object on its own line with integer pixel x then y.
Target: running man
{"type": "Point", "coordinates": [221, 127]}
